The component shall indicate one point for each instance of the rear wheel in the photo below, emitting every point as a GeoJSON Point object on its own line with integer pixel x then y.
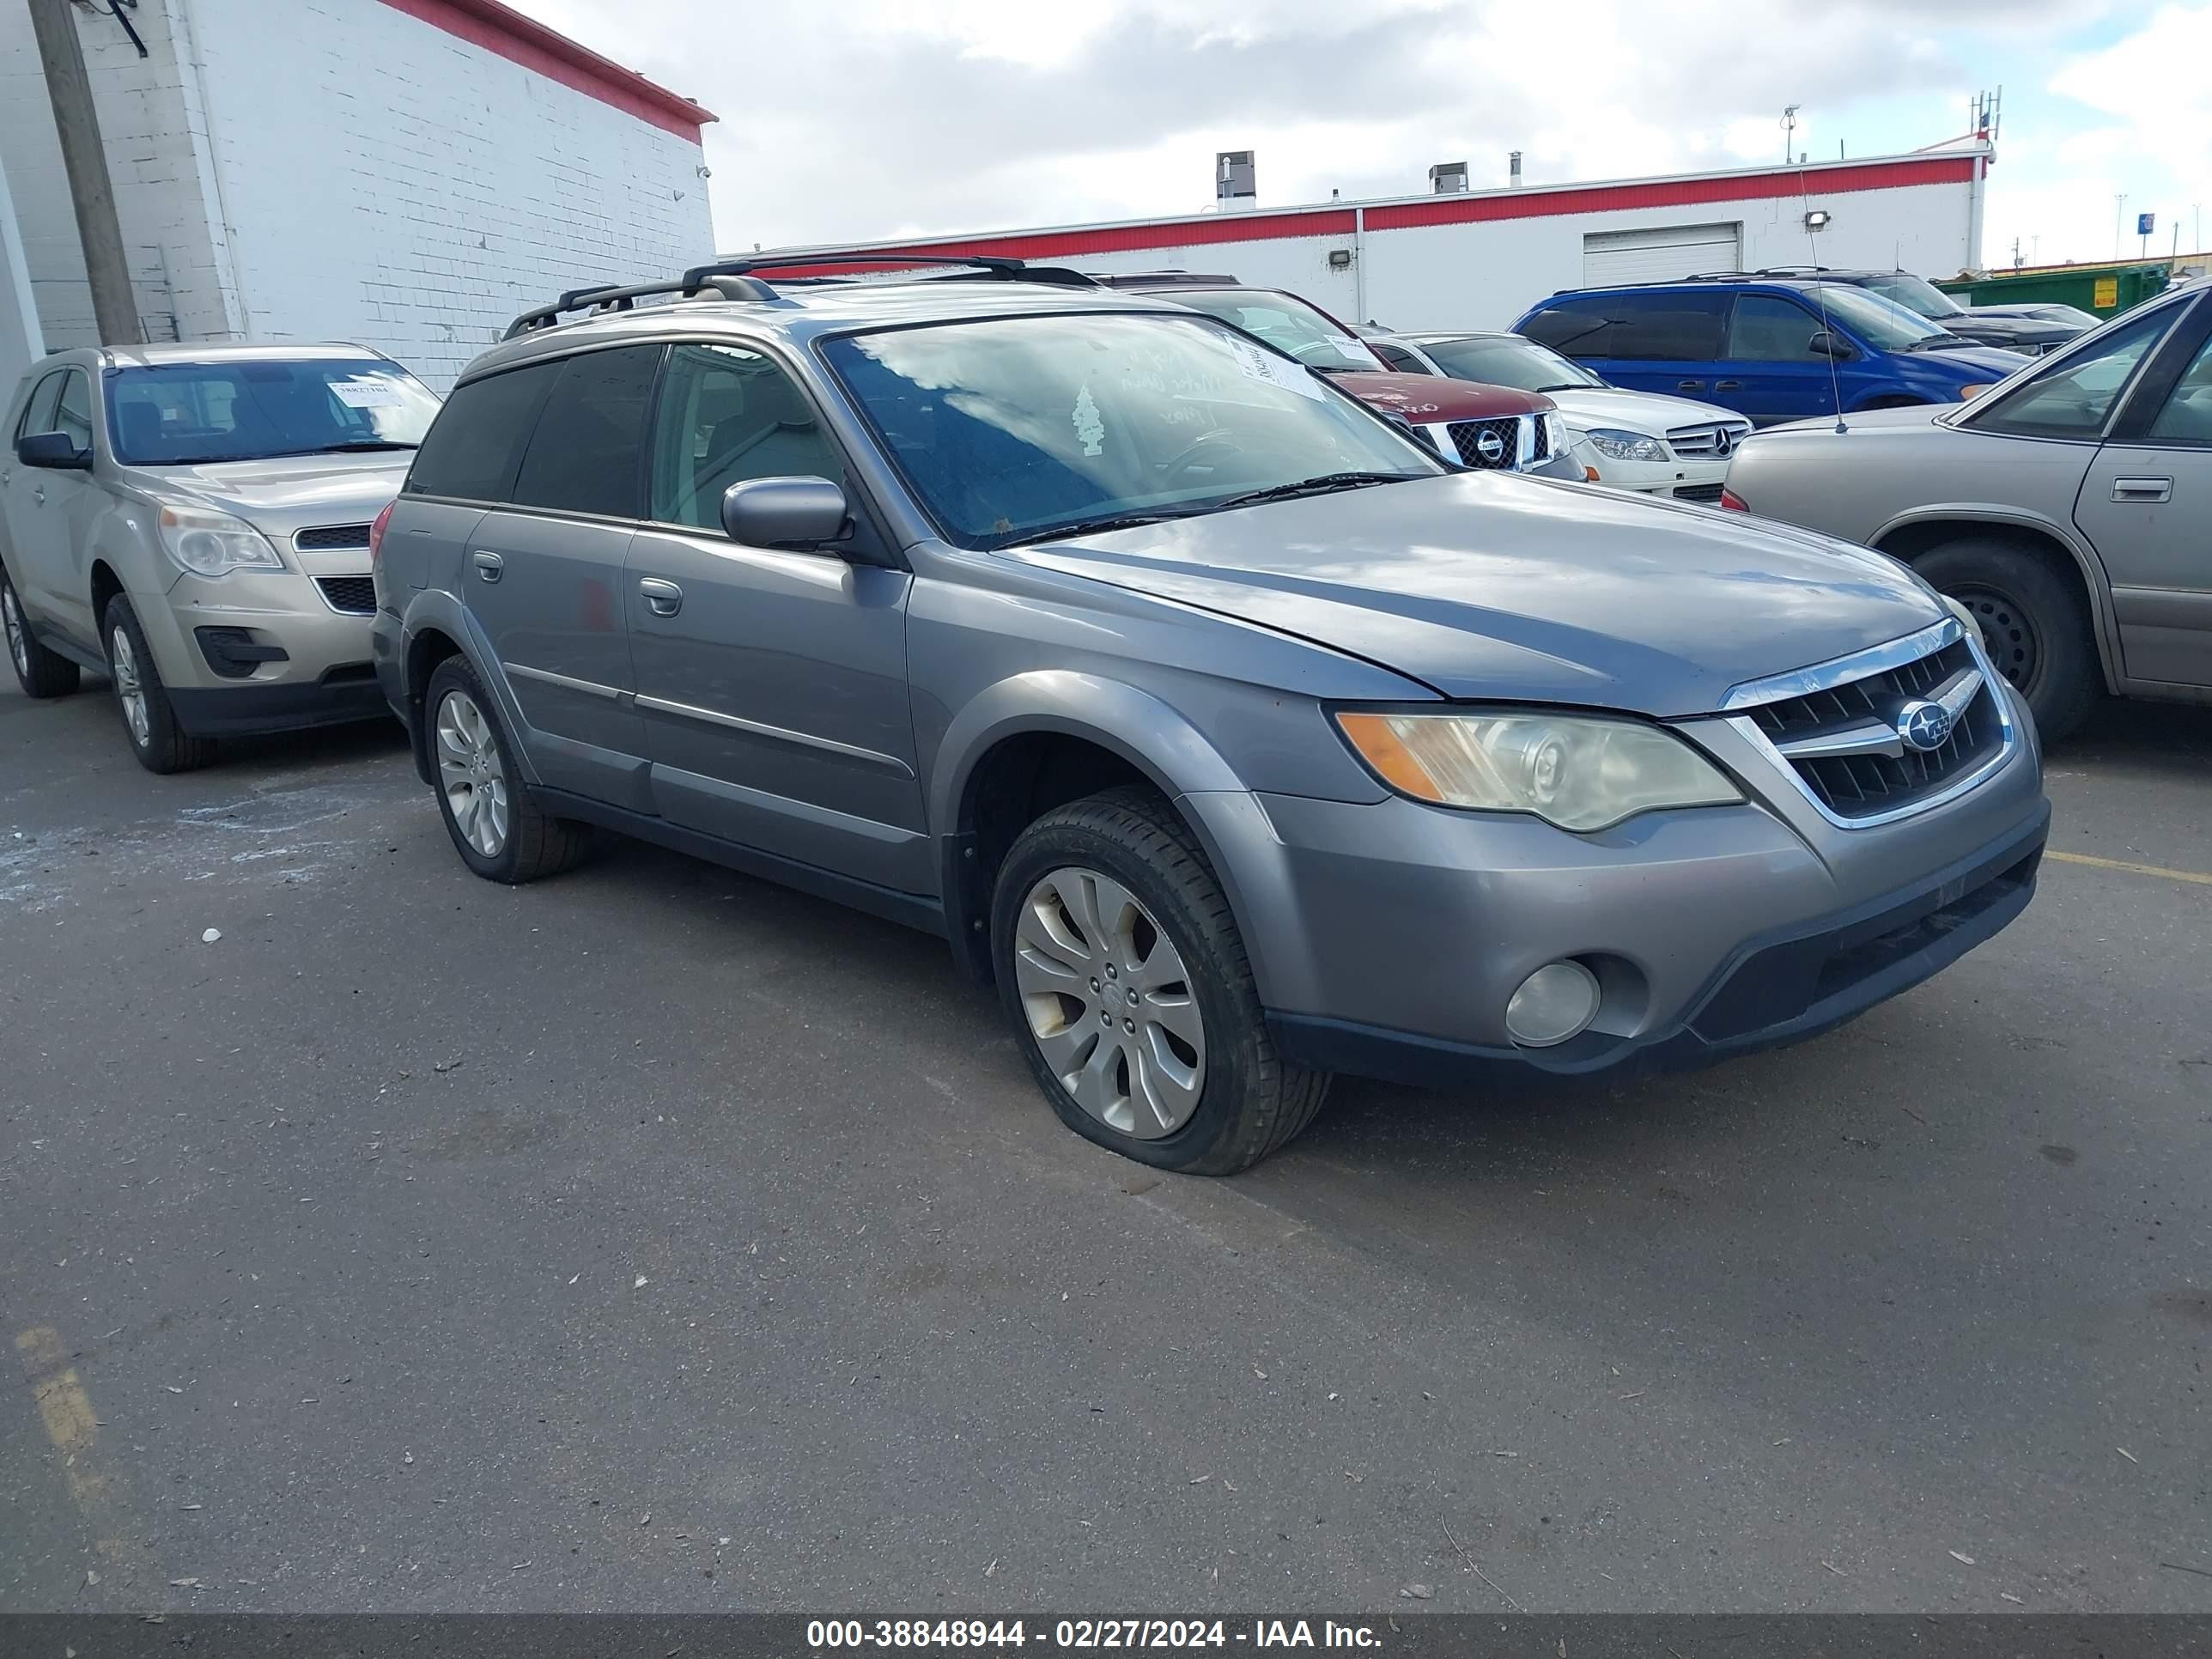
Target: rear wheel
{"type": "Point", "coordinates": [496, 829]}
{"type": "Point", "coordinates": [149, 719]}
{"type": "Point", "coordinates": [1123, 971]}
{"type": "Point", "coordinates": [40, 672]}
{"type": "Point", "coordinates": [2034, 625]}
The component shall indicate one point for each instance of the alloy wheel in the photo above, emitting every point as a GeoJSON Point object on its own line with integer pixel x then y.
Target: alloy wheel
{"type": "Point", "coordinates": [19, 644]}
{"type": "Point", "coordinates": [1110, 1003]}
{"type": "Point", "coordinates": [129, 689]}
{"type": "Point", "coordinates": [471, 774]}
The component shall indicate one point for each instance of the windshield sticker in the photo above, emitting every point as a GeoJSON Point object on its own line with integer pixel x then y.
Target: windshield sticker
{"type": "Point", "coordinates": [1259, 364]}
{"type": "Point", "coordinates": [366, 394]}
{"type": "Point", "coordinates": [1089, 430]}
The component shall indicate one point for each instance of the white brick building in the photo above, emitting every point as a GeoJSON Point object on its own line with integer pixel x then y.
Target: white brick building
{"type": "Point", "coordinates": [404, 173]}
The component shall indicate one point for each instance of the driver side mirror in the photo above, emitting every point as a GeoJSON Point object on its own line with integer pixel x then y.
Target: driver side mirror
{"type": "Point", "coordinates": [796, 513]}
{"type": "Point", "coordinates": [56, 451]}
{"type": "Point", "coordinates": [1826, 344]}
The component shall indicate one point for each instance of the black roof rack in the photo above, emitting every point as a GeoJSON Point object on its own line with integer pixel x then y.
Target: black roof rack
{"type": "Point", "coordinates": [1140, 279]}
{"type": "Point", "coordinates": [734, 279]}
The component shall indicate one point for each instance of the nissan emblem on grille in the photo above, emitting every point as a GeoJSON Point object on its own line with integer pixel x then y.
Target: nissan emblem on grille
{"type": "Point", "coordinates": [1924, 726]}
{"type": "Point", "coordinates": [1490, 447]}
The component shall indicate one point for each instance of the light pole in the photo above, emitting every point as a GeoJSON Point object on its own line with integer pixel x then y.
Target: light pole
{"type": "Point", "coordinates": [2119, 211]}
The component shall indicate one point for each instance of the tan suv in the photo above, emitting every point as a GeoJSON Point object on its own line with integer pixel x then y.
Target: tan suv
{"type": "Point", "coordinates": [194, 522]}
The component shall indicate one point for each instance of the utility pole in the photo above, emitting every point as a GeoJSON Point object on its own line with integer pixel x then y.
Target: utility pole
{"type": "Point", "coordinates": [61, 53]}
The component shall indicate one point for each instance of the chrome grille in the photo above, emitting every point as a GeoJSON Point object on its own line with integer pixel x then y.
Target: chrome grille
{"type": "Point", "coordinates": [1864, 746]}
{"type": "Point", "coordinates": [353, 595]}
{"type": "Point", "coordinates": [331, 537]}
{"type": "Point", "coordinates": [1710, 440]}
{"type": "Point", "coordinates": [1466, 438]}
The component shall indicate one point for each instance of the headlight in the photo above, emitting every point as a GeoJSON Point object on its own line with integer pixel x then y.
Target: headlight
{"type": "Point", "coordinates": [1568, 769]}
{"type": "Point", "coordinates": [1618, 445]}
{"type": "Point", "coordinates": [1967, 392]}
{"type": "Point", "coordinates": [1555, 434]}
{"type": "Point", "coordinates": [211, 544]}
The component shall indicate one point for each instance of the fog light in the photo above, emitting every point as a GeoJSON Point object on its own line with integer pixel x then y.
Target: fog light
{"type": "Point", "coordinates": [1556, 1002]}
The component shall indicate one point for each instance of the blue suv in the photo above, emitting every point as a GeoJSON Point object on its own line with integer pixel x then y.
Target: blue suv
{"type": "Point", "coordinates": [1773, 350]}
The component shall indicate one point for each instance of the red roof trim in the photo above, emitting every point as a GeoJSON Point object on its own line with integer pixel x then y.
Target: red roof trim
{"type": "Point", "coordinates": [1532, 203]}
{"type": "Point", "coordinates": [501, 30]}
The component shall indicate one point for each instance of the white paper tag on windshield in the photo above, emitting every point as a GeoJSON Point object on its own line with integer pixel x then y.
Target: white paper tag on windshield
{"type": "Point", "coordinates": [366, 394]}
{"type": "Point", "coordinates": [1259, 364]}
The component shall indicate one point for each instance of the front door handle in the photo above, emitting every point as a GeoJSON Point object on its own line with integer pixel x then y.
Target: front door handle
{"type": "Point", "coordinates": [665, 599]}
{"type": "Point", "coordinates": [39, 495]}
{"type": "Point", "coordinates": [1689, 385]}
{"type": "Point", "coordinates": [2142, 492]}
{"type": "Point", "coordinates": [1728, 385]}
{"type": "Point", "coordinates": [488, 565]}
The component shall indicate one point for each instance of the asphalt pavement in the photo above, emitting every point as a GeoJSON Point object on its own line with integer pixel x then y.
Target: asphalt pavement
{"type": "Point", "coordinates": [653, 1239]}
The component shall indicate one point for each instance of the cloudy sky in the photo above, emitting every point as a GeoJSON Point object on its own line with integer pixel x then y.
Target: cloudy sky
{"type": "Point", "coordinates": [870, 118]}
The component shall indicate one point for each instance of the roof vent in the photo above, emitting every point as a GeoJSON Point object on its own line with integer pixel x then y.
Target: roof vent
{"type": "Point", "coordinates": [1513, 169]}
{"type": "Point", "coordinates": [1235, 181]}
{"type": "Point", "coordinates": [1447, 178]}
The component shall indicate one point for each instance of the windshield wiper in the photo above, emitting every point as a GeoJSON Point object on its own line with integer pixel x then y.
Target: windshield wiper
{"type": "Point", "coordinates": [352, 447]}
{"type": "Point", "coordinates": [1326, 484]}
{"type": "Point", "coordinates": [1938, 342]}
{"type": "Point", "coordinates": [1084, 528]}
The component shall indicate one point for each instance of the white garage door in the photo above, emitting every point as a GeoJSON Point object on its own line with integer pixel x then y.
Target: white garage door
{"type": "Point", "coordinates": [1663, 255]}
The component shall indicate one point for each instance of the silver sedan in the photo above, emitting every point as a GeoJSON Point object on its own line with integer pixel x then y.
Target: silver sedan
{"type": "Point", "coordinates": [2068, 507]}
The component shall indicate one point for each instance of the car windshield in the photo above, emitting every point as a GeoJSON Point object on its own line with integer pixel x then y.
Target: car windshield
{"type": "Point", "coordinates": [1916, 294]}
{"type": "Point", "coordinates": [1508, 360]}
{"type": "Point", "coordinates": [1882, 323]}
{"type": "Point", "coordinates": [251, 409]}
{"type": "Point", "coordinates": [1010, 429]}
{"type": "Point", "coordinates": [1284, 322]}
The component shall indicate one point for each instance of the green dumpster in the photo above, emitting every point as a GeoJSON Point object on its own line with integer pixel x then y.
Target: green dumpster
{"type": "Point", "coordinates": [2107, 290]}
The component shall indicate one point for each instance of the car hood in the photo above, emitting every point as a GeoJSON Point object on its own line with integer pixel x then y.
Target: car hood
{"type": "Point", "coordinates": [2031, 334]}
{"type": "Point", "coordinates": [1984, 363]}
{"type": "Point", "coordinates": [290, 492]}
{"type": "Point", "coordinates": [1425, 399]}
{"type": "Point", "coordinates": [1919, 415]}
{"type": "Point", "coordinates": [1487, 585]}
{"type": "Point", "coordinates": [1652, 413]}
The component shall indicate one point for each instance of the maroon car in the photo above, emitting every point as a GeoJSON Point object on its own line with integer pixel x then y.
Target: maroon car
{"type": "Point", "coordinates": [1491, 426]}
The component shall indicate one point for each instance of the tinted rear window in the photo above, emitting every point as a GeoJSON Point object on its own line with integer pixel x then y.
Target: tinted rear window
{"type": "Point", "coordinates": [1667, 326]}
{"type": "Point", "coordinates": [473, 448]}
{"type": "Point", "coordinates": [586, 452]}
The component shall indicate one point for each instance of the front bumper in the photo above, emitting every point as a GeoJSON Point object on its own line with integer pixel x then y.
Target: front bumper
{"type": "Point", "coordinates": [282, 612]}
{"type": "Point", "coordinates": [1697, 481]}
{"type": "Point", "coordinates": [1388, 937]}
{"type": "Point", "coordinates": [1773, 989]}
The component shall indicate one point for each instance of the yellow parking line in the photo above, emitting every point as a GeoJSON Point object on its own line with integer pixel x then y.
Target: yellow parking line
{"type": "Point", "coordinates": [2192, 876]}
{"type": "Point", "coordinates": [65, 1410]}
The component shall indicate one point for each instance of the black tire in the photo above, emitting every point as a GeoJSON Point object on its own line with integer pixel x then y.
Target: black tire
{"type": "Point", "coordinates": [2034, 623]}
{"type": "Point", "coordinates": [40, 672]}
{"type": "Point", "coordinates": [535, 845]}
{"type": "Point", "coordinates": [162, 744]}
{"type": "Point", "coordinates": [1250, 1102]}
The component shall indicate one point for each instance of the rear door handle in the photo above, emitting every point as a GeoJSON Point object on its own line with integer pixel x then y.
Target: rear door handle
{"type": "Point", "coordinates": [1728, 385]}
{"type": "Point", "coordinates": [488, 565]}
{"type": "Point", "coordinates": [2142, 491]}
{"type": "Point", "coordinates": [665, 599]}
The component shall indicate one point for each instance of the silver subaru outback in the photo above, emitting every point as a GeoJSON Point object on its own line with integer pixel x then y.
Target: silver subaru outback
{"type": "Point", "coordinates": [1236, 737]}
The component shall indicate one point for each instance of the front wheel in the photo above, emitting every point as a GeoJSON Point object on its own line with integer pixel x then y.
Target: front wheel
{"type": "Point", "coordinates": [1131, 996]}
{"type": "Point", "coordinates": [2034, 625]}
{"type": "Point", "coordinates": [149, 719]}
{"type": "Point", "coordinates": [496, 829]}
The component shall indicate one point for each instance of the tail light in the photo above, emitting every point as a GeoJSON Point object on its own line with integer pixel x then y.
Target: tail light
{"type": "Point", "coordinates": [1729, 499]}
{"type": "Point", "coordinates": [376, 534]}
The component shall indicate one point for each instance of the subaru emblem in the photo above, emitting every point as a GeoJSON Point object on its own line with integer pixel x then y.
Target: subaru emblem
{"type": "Point", "coordinates": [1924, 726]}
